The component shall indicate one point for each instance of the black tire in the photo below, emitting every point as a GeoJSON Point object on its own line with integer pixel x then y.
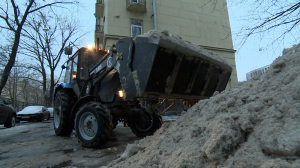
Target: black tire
{"type": "Point", "coordinates": [48, 118]}
{"type": "Point", "coordinates": [42, 118]}
{"type": "Point", "coordinates": [115, 123]}
{"type": "Point", "coordinates": [147, 126]}
{"type": "Point", "coordinates": [63, 104]}
{"type": "Point", "coordinates": [93, 125]}
{"type": "Point", "coordinates": [11, 121]}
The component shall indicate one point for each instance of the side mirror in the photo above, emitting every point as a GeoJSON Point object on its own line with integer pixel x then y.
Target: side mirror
{"type": "Point", "coordinates": [68, 50]}
{"type": "Point", "coordinates": [8, 101]}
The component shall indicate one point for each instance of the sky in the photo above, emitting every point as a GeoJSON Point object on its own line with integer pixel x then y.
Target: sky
{"type": "Point", "coordinates": [258, 51]}
{"type": "Point", "coordinates": [255, 53]}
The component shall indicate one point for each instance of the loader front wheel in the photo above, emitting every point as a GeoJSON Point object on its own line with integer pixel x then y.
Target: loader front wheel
{"type": "Point", "coordinates": [62, 113]}
{"type": "Point", "coordinates": [144, 123]}
{"type": "Point", "coordinates": [93, 125]}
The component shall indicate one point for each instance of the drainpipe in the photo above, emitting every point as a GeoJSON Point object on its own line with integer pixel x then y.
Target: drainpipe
{"type": "Point", "coordinates": [154, 15]}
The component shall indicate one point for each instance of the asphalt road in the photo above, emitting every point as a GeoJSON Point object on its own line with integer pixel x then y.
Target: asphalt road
{"type": "Point", "coordinates": [36, 145]}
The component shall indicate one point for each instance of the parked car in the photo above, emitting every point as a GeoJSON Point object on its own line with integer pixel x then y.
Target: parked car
{"type": "Point", "coordinates": [7, 114]}
{"type": "Point", "coordinates": [50, 109]}
{"type": "Point", "coordinates": [33, 113]}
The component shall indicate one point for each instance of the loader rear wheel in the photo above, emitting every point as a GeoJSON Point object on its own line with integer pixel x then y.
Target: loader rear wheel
{"type": "Point", "coordinates": [144, 123]}
{"type": "Point", "coordinates": [62, 113]}
{"type": "Point", "coordinates": [93, 125]}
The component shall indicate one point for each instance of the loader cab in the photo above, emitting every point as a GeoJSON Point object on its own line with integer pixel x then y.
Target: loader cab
{"type": "Point", "coordinates": [78, 67]}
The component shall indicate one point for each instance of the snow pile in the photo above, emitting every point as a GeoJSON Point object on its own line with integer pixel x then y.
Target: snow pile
{"type": "Point", "coordinates": [256, 124]}
{"type": "Point", "coordinates": [175, 38]}
{"type": "Point", "coordinates": [31, 110]}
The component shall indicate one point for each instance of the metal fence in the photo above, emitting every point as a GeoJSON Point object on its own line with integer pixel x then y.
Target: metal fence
{"type": "Point", "coordinates": [99, 29]}
{"type": "Point", "coordinates": [100, 1]}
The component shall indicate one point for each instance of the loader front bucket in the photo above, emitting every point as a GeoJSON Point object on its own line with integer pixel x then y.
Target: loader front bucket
{"type": "Point", "coordinates": [158, 68]}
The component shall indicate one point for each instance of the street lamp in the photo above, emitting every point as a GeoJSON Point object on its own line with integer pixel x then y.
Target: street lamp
{"type": "Point", "coordinates": [45, 29]}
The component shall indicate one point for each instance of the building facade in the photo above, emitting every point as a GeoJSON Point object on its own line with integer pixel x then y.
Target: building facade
{"type": "Point", "coordinates": [257, 72]}
{"type": "Point", "coordinates": [201, 22]}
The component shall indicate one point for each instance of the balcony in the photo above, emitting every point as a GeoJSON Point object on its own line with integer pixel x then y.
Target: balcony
{"type": "Point", "coordinates": [99, 8]}
{"type": "Point", "coordinates": [99, 34]}
{"type": "Point", "coordinates": [136, 5]}
{"type": "Point", "coordinates": [100, 2]}
{"type": "Point", "coordinates": [99, 29]}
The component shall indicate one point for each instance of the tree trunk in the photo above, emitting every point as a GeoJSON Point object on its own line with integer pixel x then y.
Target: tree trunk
{"type": "Point", "coordinates": [51, 88]}
{"type": "Point", "coordinates": [44, 85]}
{"type": "Point", "coordinates": [12, 59]}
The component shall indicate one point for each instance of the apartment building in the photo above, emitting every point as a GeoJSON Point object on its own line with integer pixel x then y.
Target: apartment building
{"type": "Point", "coordinates": [202, 22]}
{"type": "Point", "coordinates": [257, 72]}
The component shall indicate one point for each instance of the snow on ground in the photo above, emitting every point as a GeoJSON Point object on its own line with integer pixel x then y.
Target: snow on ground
{"type": "Point", "coordinates": [16, 129]}
{"type": "Point", "coordinates": [164, 118]}
{"type": "Point", "coordinates": [255, 124]}
{"type": "Point", "coordinates": [170, 118]}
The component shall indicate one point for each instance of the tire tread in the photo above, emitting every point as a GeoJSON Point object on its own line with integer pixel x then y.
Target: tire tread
{"type": "Point", "coordinates": [104, 124]}
{"type": "Point", "coordinates": [67, 101]}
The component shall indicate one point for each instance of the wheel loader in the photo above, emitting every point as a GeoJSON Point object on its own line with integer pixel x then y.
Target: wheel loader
{"type": "Point", "coordinates": [129, 84]}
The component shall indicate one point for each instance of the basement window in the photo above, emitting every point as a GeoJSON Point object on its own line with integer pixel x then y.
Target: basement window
{"type": "Point", "coordinates": [136, 28]}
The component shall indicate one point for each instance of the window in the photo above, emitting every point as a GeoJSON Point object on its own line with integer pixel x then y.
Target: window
{"type": "Point", "coordinates": [75, 61]}
{"type": "Point", "coordinates": [100, 1]}
{"type": "Point", "coordinates": [68, 72]}
{"type": "Point", "coordinates": [136, 28]}
{"type": "Point", "coordinates": [135, 1]}
{"type": "Point", "coordinates": [97, 21]}
{"type": "Point", "coordinates": [2, 100]}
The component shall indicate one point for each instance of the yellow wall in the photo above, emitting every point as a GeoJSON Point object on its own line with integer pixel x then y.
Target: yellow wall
{"type": "Point", "coordinates": [198, 21]}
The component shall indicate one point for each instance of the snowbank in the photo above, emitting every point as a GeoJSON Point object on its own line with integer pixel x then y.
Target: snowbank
{"type": "Point", "coordinates": [31, 110]}
{"type": "Point", "coordinates": [256, 124]}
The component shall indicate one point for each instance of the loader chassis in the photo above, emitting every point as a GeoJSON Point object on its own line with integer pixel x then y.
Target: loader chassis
{"type": "Point", "coordinates": [129, 84]}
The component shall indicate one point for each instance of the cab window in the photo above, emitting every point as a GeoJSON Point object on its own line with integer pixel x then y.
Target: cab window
{"type": "Point", "coordinates": [2, 100]}
{"type": "Point", "coordinates": [68, 72]}
{"type": "Point", "coordinates": [88, 61]}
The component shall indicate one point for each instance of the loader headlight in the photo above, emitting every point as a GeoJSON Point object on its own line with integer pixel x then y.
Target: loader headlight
{"type": "Point", "coordinates": [90, 46]}
{"type": "Point", "coordinates": [74, 75]}
{"type": "Point", "coordinates": [121, 93]}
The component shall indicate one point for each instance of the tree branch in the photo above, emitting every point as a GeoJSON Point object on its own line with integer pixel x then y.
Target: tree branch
{"type": "Point", "coordinates": [51, 4]}
{"type": "Point", "coordinates": [31, 79]}
{"type": "Point", "coordinates": [7, 22]}
{"type": "Point", "coordinates": [15, 11]}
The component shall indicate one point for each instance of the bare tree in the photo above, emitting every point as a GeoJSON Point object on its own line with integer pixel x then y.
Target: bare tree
{"type": "Point", "coordinates": [278, 19]}
{"type": "Point", "coordinates": [271, 17]}
{"type": "Point", "coordinates": [46, 36]}
{"type": "Point", "coordinates": [3, 57]}
{"type": "Point", "coordinates": [264, 17]}
{"type": "Point", "coordinates": [14, 20]}
{"type": "Point", "coordinates": [19, 89]}
{"type": "Point", "coordinates": [13, 86]}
